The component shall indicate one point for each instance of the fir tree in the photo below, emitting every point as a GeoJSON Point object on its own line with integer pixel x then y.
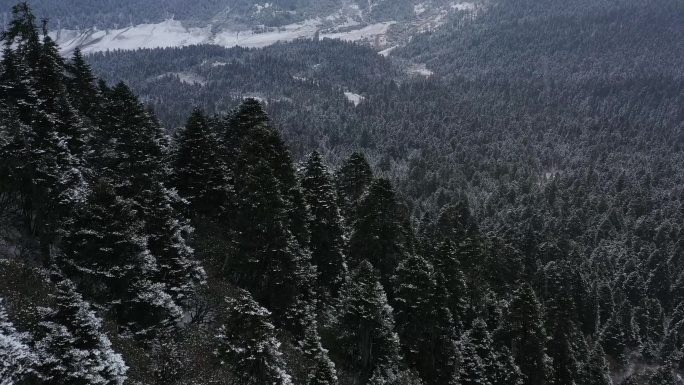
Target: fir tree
{"type": "Point", "coordinates": [166, 241]}
{"type": "Point", "coordinates": [424, 323]}
{"type": "Point", "coordinates": [37, 151]}
{"type": "Point", "coordinates": [17, 360]}
{"type": "Point", "coordinates": [268, 257]}
{"type": "Point", "coordinates": [248, 345]}
{"type": "Point", "coordinates": [448, 269]}
{"type": "Point", "coordinates": [200, 175]}
{"type": "Point", "coordinates": [82, 87]}
{"type": "Point", "coordinates": [456, 224]}
{"type": "Point", "coordinates": [663, 376]}
{"type": "Point", "coordinates": [566, 349]}
{"type": "Point", "coordinates": [105, 251]}
{"type": "Point", "coordinates": [524, 326]}
{"type": "Point", "coordinates": [72, 349]}
{"type": "Point", "coordinates": [131, 147]}
{"type": "Point", "coordinates": [596, 371]}
{"type": "Point", "coordinates": [250, 135]}
{"type": "Point", "coordinates": [352, 180]}
{"type": "Point", "coordinates": [478, 364]}
{"type": "Point", "coordinates": [365, 329]}
{"type": "Point", "coordinates": [379, 233]}
{"type": "Point", "coordinates": [325, 224]}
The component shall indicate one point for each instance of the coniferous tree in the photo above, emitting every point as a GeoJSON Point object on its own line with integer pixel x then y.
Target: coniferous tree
{"type": "Point", "coordinates": [379, 233]}
{"type": "Point", "coordinates": [268, 257]}
{"type": "Point", "coordinates": [365, 329]}
{"type": "Point", "coordinates": [526, 336]}
{"type": "Point", "coordinates": [249, 134]}
{"type": "Point", "coordinates": [17, 358]}
{"type": "Point", "coordinates": [447, 266]}
{"type": "Point", "coordinates": [325, 224]}
{"type": "Point", "coordinates": [478, 364]}
{"type": "Point", "coordinates": [596, 371]}
{"type": "Point", "coordinates": [444, 353]}
{"type": "Point", "coordinates": [72, 349]}
{"type": "Point", "coordinates": [352, 179]}
{"type": "Point", "coordinates": [456, 224]}
{"type": "Point", "coordinates": [131, 147]}
{"type": "Point", "coordinates": [200, 175]}
{"type": "Point", "coordinates": [566, 348]}
{"type": "Point", "coordinates": [105, 252]}
{"type": "Point", "coordinates": [663, 376]}
{"type": "Point", "coordinates": [424, 322]}
{"type": "Point", "coordinates": [322, 370]}
{"type": "Point", "coordinates": [81, 83]}
{"type": "Point", "coordinates": [166, 241]}
{"type": "Point", "coordinates": [37, 151]}
{"type": "Point", "coordinates": [248, 345]}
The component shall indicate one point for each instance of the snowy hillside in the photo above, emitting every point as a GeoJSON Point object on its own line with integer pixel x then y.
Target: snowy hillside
{"type": "Point", "coordinates": [376, 23]}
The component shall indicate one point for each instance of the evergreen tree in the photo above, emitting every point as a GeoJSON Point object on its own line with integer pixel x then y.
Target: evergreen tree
{"type": "Point", "coordinates": [414, 287]}
{"type": "Point", "coordinates": [456, 224]}
{"type": "Point", "coordinates": [524, 326]}
{"type": "Point", "coordinates": [663, 376]}
{"type": "Point", "coordinates": [596, 371]}
{"type": "Point", "coordinates": [248, 345]}
{"type": "Point", "coordinates": [37, 153]}
{"type": "Point", "coordinates": [82, 87]}
{"type": "Point", "coordinates": [17, 360]}
{"type": "Point", "coordinates": [325, 224]}
{"type": "Point", "coordinates": [105, 251]}
{"type": "Point", "coordinates": [249, 134]}
{"type": "Point", "coordinates": [352, 180]}
{"type": "Point", "coordinates": [72, 349]}
{"type": "Point", "coordinates": [268, 258]}
{"type": "Point", "coordinates": [178, 271]}
{"type": "Point", "coordinates": [448, 269]}
{"type": "Point", "coordinates": [379, 233]}
{"type": "Point", "coordinates": [365, 329]}
{"type": "Point", "coordinates": [200, 175]}
{"type": "Point", "coordinates": [478, 365]}
{"type": "Point", "coordinates": [131, 148]}
{"type": "Point", "coordinates": [567, 348]}
{"type": "Point", "coordinates": [444, 353]}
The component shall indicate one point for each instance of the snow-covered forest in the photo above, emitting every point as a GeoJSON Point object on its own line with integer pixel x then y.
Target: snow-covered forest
{"type": "Point", "coordinates": [317, 214]}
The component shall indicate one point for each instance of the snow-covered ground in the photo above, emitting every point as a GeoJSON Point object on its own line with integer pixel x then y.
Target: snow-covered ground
{"type": "Point", "coordinates": [171, 33]}
{"type": "Point", "coordinates": [386, 52]}
{"type": "Point", "coordinates": [420, 69]}
{"type": "Point", "coordinates": [463, 6]}
{"type": "Point", "coordinates": [354, 98]}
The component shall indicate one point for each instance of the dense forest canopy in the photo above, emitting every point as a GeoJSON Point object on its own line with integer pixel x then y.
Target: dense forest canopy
{"type": "Point", "coordinates": [232, 216]}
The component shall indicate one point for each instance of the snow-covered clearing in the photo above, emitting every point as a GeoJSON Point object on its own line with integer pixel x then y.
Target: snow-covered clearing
{"type": "Point", "coordinates": [354, 98]}
{"type": "Point", "coordinates": [463, 6]}
{"type": "Point", "coordinates": [420, 69]}
{"type": "Point", "coordinates": [171, 33]}
{"type": "Point", "coordinates": [388, 51]}
{"type": "Point", "coordinates": [187, 78]}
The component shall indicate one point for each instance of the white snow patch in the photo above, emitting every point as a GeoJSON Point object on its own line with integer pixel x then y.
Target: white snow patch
{"type": "Point", "coordinates": [189, 78]}
{"type": "Point", "coordinates": [169, 33]}
{"type": "Point", "coordinates": [420, 69]}
{"type": "Point", "coordinates": [419, 9]}
{"type": "Point", "coordinates": [370, 31]}
{"type": "Point", "coordinates": [354, 98]}
{"type": "Point", "coordinates": [172, 33]}
{"type": "Point", "coordinates": [388, 51]}
{"type": "Point", "coordinates": [463, 6]}
{"type": "Point", "coordinates": [261, 7]}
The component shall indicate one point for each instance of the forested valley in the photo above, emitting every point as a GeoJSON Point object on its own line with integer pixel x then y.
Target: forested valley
{"type": "Point", "coordinates": [231, 216]}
